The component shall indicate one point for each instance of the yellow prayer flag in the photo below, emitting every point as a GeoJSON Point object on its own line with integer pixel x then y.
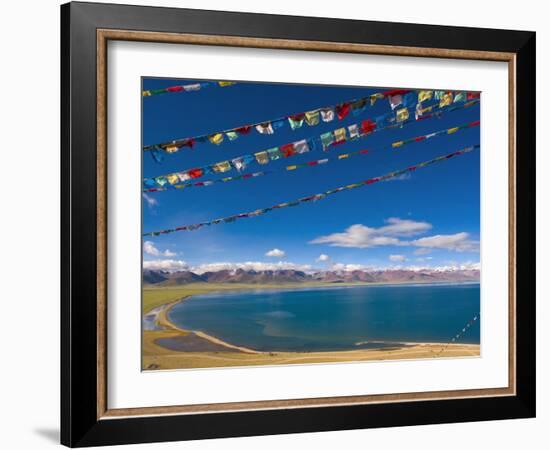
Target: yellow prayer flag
{"type": "Point", "coordinates": [147, 93]}
{"type": "Point", "coordinates": [222, 167]}
{"type": "Point", "coordinates": [344, 156]}
{"type": "Point", "coordinates": [424, 95]}
{"type": "Point", "coordinates": [340, 134]}
{"type": "Point", "coordinates": [216, 138]}
{"type": "Point", "coordinates": [397, 144]}
{"type": "Point", "coordinates": [312, 118]}
{"type": "Point", "coordinates": [402, 114]}
{"type": "Point", "coordinates": [291, 167]}
{"type": "Point", "coordinates": [446, 99]}
{"type": "Point", "coordinates": [452, 130]}
{"type": "Point", "coordinates": [262, 157]}
{"type": "Point", "coordinates": [171, 148]}
{"type": "Point", "coordinates": [225, 83]}
{"type": "Point", "coordinates": [172, 178]}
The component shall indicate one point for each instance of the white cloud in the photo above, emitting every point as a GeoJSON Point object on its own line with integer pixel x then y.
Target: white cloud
{"type": "Point", "coordinates": [397, 258]}
{"type": "Point", "coordinates": [361, 236]}
{"type": "Point", "coordinates": [339, 267]}
{"type": "Point", "coordinates": [322, 258]}
{"type": "Point", "coordinates": [459, 242]}
{"type": "Point", "coordinates": [150, 249]}
{"type": "Point", "coordinates": [166, 265]}
{"type": "Point", "coordinates": [404, 227]}
{"type": "Point", "coordinates": [424, 259]}
{"type": "Point", "coordinates": [151, 201]}
{"type": "Point", "coordinates": [276, 253]}
{"type": "Point", "coordinates": [422, 251]}
{"type": "Point", "coordinates": [249, 265]}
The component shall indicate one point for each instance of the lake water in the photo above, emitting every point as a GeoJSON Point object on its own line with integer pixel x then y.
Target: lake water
{"type": "Point", "coordinates": [334, 318]}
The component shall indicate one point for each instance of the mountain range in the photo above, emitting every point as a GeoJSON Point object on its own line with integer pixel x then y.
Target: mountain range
{"type": "Point", "coordinates": [162, 278]}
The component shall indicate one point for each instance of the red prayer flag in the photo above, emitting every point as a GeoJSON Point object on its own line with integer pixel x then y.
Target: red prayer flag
{"type": "Point", "coordinates": [472, 95]}
{"type": "Point", "coordinates": [342, 110]}
{"type": "Point", "coordinates": [195, 173]}
{"type": "Point", "coordinates": [419, 138]}
{"type": "Point", "coordinates": [244, 130]}
{"type": "Point", "coordinates": [396, 92]}
{"type": "Point", "coordinates": [287, 150]}
{"type": "Point", "coordinates": [175, 89]}
{"type": "Point", "coordinates": [474, 124]}
{"type": "Point", "coordinates": [368, 126]}
{"type": "Point", "coordinates": [313, 163]}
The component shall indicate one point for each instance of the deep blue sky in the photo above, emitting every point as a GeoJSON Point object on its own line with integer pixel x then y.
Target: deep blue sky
{"type": "Point", "coordinates": [445, 195]}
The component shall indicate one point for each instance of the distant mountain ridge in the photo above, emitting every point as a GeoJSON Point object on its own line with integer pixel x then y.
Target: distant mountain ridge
{"type": "Point", "coordinates": [241, 276]}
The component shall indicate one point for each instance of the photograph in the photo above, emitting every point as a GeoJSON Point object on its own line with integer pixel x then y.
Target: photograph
{"type": "Point", "coordinates": [292, 224]}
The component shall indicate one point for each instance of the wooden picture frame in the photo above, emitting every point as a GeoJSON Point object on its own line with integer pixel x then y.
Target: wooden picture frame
{"type": "Point", "coordinates": [86, 418]}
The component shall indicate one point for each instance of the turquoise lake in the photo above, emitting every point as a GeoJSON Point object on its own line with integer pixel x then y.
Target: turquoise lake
{"type": "Point", "coordinates": [334, 318]}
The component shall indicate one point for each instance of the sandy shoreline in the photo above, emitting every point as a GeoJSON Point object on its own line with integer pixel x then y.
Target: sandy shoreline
{"type": "Point", "coordinates": [214, 352]}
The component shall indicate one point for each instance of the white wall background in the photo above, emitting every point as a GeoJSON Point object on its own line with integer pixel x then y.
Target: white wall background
{"type": "Point", "coordinates": [29, 225]}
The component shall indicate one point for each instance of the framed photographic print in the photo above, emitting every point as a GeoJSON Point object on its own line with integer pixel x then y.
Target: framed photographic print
{"type": "Point", "coordinates": [277, 224]}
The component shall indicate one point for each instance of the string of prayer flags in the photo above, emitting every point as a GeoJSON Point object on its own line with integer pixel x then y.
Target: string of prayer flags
{"type": "Point", "coordinates": [302, 147]}
{"type": "Point", "coordinates": [312, 118]}
{"type": "Point", "coordinates": [186, 87]}
{"type": "Point", "coordinates": [327, 140]}
{"type": "Point", "coordinates": [457, 336]}
{"type": "Point", "coordinates": [315, 197]}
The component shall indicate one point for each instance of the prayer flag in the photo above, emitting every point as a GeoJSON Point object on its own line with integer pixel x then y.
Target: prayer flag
{"type": "Point", "coordinates": [296, 121]}
{"type": "Point", "coordinates": [244, 130]}
{"type": "Point", "coordinates": [287, 150]}
{"type": "Point", "coordinates": [358, 106]}
{"type": "Point", "coordinates": [460, 97]}
{"type": "Point", "coordinates": [301, 146]}
{"type": "Point", "coordinates": [395, 100]}
{"type": "Point", "coordinates": [221, 167]}
{"type": "Point", "coordinates": [195, 173]}
{"type": "Point", "coordinates": [402, 114]}
{"type": "Point", "coordinates": [274, 153]}
{"type": "Point", "coordinates": [157, 155]}
{"type": "Point", "coordinates": [183, 176]}
{"type": "Point", "coordinates": [225, 83]}
{"type": "Point", "coordinates": [340, 135]}
{"type": "Point", "coordinates": [312, 118]}
{"type": "Point", "coordinates": [424, 95]}
{"type": "Point", "coordinates": [172, 178]}
{"type": "Point", "coordinates": [171, 148]}
{"type": "Point", "coordinates": [146, 93]}
{"type": "Point", "coordinates": [216, 138]}
{"type": "Point", "coordinates": [446, 99]}
{"type": "Point", "coordinates": [327, 139]}
{"type": "Point", "coordinates": [353, 131]}
{"type": "Point", "coordinates": [161, 181]}
{"type": "Point", "coordinates": [192, 87]}
{"type": "Point", "coordinates": [262, 157]}
{"type": "Point", "coordinates": [231, 135]}
{"type": "Point", "coordinates": [327, 114]}
{"type": "Point", "coordinates": [264, 128]}
{"type": "Point", "coordinates": [342, 110]}
{"type": "Point", "coordinates": [277, 123]}
{"type": "Point", "coordinates": [367, 126]}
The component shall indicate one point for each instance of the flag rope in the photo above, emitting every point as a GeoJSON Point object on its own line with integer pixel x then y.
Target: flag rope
{"type": "Point", "coordinates": [340, 157]}
{"type": "Point", "coordinates": [329, 139]}
{"type": "Point", "coordinates": [457, 336]}
{"type": "Point", "coordinates": [186, 87]}
{"type": "Point", "coordinates": [340, 110]}
{"type": "Point", "coordinates": [315, 197]}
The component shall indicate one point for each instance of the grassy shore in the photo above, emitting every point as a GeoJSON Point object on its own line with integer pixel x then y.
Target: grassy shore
{"type": "Point", "coordinates": [208, 351]}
